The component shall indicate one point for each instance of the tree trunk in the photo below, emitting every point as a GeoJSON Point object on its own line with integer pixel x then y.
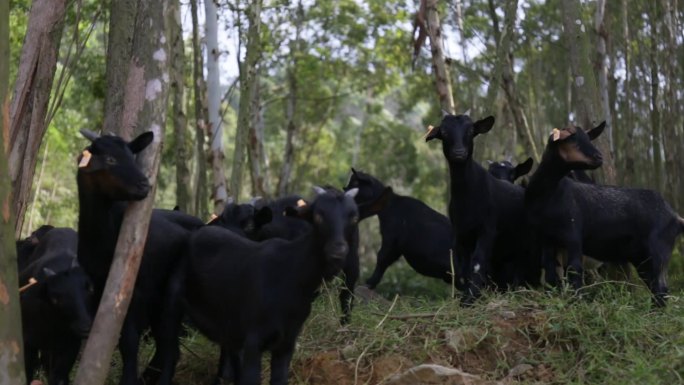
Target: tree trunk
{"type": "Point", "coordinates": [180, 125]}
{"type": "Point", "coordinates": [602, 69]}
{"type": "Point", "coordinates": [248, 81]}
{"type": "Point", "coordinates": [31, 96]}
{"type": "Point", "coordinates": [673, 136]}
{"type": "Point", "coordinates": [201, 115]}
{"type": "Point", "coordinates": [120, 43]}
{"type": "Point", "coordinates": [11, 343]}
{"type": "Point", "coordinates": [257, 157]}
{"type": "Point", "coordinates": [442, 79]}
{"type": "Point", "coordinates": [627, 127]}
{"type": "Point", "coordinates": [219, 193]}
{"type": "Point", "coordinates": [656, 135]}
{"type": "Point", "coordinates": [145, 101]}
{"type": "Point", "coordinates": [584, 88]}
{"type": "Point", "coordinates": [288, 157]}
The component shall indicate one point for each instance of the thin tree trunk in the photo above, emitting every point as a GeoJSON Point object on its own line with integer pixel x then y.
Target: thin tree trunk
{"type": "Point", "coordinates": [31, 96]}
{"type": "Point", "coordinates": [219, 193]}
{"type": "Point", "coordinates": [201, 114]}
{"type": "Point", "coordinates": [627, 127]}
{"type": "Point", "coordinates": [39, 183]}
{"type": "Point", "coordinates": [256, 155]}
{"type": "Point", "coordinates": [288, 157]}
{"type": "Point", "coordinates": [655, 108]}
{"type": "Point", "coordinates": [248, 79]}
{"type": "Point", "coordinates": [442, 79]}
{"type": "Point", "coordinates": [180, 125]}
{"type": "Point", "coordinates": [671, 111]}
{"type": "Point", "coordinates": [11, 343]}
{"type": "Point", "coordinates": [602, 69]}
{"type": "Point", "coordinates": [146, 102]}
{"type": "Point", "coordinates": [503, 76]}
{"type": "Point", "coordinates": [120, 43]}
{"type": "Point", "coordinates": [584, 83]}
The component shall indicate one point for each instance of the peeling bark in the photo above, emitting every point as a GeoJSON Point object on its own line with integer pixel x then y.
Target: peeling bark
{"type": "Point", "coordinates": [150, 89]}
{"type": "Point", "coordinates": [31, 96]}
{"type": "Point", "coordinates": [585, 91]}
{"type": "Point", "coordinates": [11, 344]}
{"type": "Point", "coordinates": [219, 193]}
{"type": "Point", "coordinates": [439, 68]}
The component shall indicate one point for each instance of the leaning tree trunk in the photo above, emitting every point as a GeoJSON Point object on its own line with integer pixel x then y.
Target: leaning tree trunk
{"type": "Point", "coordinates": [585, 92]}
{"type": "Point", "coordinates": [201, 114]}
{"type": "Point", "coordinates": [219, 193]}
{"type": "Point", "coordinates": [31, 96]}
{"type": "Point", "coordinates": [11, 344]}
{"type": "Point", "coordinates": [248, 81]}
{"type": "Point", "coordinates": [145, 102]}
{"type": "Point", "coordinates": [119, 45]}
{"type": "Point", "coordinates": [439, 68]}
{"type": "Point", "coordinates": [503, 75]}
{"type": "Point", "coordinates": [180, 125]}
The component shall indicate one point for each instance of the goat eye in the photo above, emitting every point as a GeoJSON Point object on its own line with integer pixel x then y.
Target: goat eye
{"type": "Point", "coordinates": [354, 219]}
{"type": "Point", "coordinates": [110, 160]}
{"type": "Point", "coordinates": [318, 219]}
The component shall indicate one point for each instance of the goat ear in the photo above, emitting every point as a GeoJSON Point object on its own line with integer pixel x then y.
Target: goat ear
{"type": "Point", "coordinates": [484, 125]}
{"type": "Point", "coordinates": [433, 133]}
{"type": "Point", "coordinates": [143, 140]}
{"type": "Point", "coordinates": [91, 136]}
{"type": "Point", "coordinates": [319, 190]}
{"type": "Point", "coordinates": [263, 216]}
{"type": "Point", "coordinates": [353, 170]}
{"type": "Point", "coordinates": [596, 131]}
{"type": "Point", "coordinates": [351, 193]}
{"type": "Point", "coordinates": [522, 168]}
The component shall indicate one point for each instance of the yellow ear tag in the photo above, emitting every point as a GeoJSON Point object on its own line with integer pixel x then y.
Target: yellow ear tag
{"type": "Point", "coordinates": [301, 203]}
{"type": "Point", "coordinates": [32, 281]}
{"type": "Point", "coordinates": [429, 130]}
{"type": "Point", "coordinates": [556, 134]}
{"type": "Point", "coordinates": [85, 159]}
{"type": "Point", "coordinates": [212, 217]}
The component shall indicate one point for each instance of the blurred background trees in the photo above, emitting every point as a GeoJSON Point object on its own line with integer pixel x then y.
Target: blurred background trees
{"type": "Point", "coordinates": [311, 88]}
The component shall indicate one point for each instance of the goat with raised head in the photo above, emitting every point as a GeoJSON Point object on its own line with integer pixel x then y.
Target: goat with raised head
{"type": "Point", "coordinates": [408, 227]}
{"type": "Point", "coordinates": [108, 177]}
{"type": "Point", "coordinates": [487, 214]}
{"type": "Point", "coordinates": [56, 309]}
{"type": "Point", "coordinates": [251, 297]}
{"type": "Point", "coordinates": [608, 223]}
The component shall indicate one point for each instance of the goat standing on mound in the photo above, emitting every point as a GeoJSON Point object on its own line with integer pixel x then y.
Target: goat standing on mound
{"type": "Point", "coordinates": [252, 297]}
{"type": "Point", "coordinates": [408, 227]}
{"type": "Point", "coordinates": [607, 223]}
{"type": "Point", "coordinates": [108, 177]}
{"type": "Point", "coordinates": [487, 214]}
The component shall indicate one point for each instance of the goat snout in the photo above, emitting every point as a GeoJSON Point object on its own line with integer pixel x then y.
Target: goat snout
{"type": "Point", "coordinates": [337, 250]}
{"type": "Point", "coordinates": [459, 154]}
{"type": "Point", "coordinates": [141, 189]}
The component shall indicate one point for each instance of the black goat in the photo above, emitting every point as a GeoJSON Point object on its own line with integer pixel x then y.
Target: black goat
{"type": "Point", "coordinates": [26, 246]}
{"type": "Point", "coordinates": [107, 178]}
{"type": "Point", "coordinates": [408, 227]}
{"type": "Point", "coordinates": [487, 214]}
{"type": "Point", "coordinates": [608, 223]}
{"type": "Point", "coordinates": [252, 297]}
{"type": "Point", "coordinates": [505, 170]}
{"type": "Point", "coordinates": [243, 219]}
{"type": "Point", "coordinates": [56, 310]}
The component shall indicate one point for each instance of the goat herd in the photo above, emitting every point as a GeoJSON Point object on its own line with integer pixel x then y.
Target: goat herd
{"type": "Point", "coordinates": [247, 279]}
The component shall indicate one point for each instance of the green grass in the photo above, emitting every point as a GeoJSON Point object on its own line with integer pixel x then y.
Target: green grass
{"type": "Point", "coordinates": [608, 335]}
